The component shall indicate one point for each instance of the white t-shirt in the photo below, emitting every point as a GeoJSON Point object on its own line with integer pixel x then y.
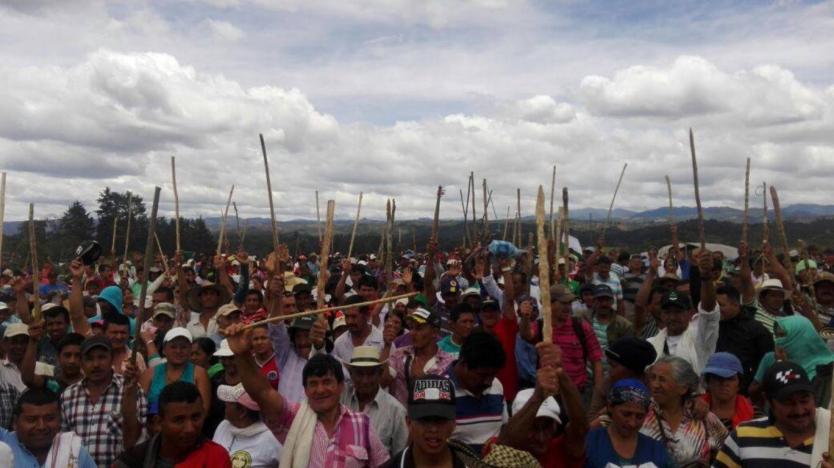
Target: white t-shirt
{"type": "Point", "coordinates": [672, 342]}
{"type": "Point", "coordinates": [249, 447]}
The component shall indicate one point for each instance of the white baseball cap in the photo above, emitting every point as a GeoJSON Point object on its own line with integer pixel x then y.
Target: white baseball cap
{"type": "Point", "coordinates": [548, 409]}
{"type": "Point", "coordinates": [177, 332]}
{"type": "Point", "coordinates": [16, 329]}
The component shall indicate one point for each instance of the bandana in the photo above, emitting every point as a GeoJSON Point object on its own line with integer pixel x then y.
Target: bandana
{"type": "Point", "coordinates": [629, 391]}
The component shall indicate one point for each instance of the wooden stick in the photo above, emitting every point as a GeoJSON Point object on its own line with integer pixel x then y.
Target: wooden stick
{"type": "Point", "coordinates": [671, 208]}
{"type": "Point", "coordinates": [566, 230]}
{"type": "Point", "coordinates": [701, 237]}
{"type": "Point", "coordinates": [127, 230]}
{"type": "Point", "coordinates": [243, 232]}
{"type": "Point", "coordinates": [552, 195]}
{"type": "Point", "coordinates": [269, 190]}
{"type": "Point", "coordinates": [223, 222]}
{"type": "Point", "coordinates": [146, 261]}
{"type": "Point", "coordinates": [321, 310]}
{"type": "Point", "coordinates": [237, 223]}
{"type": "Point", "coordinates": [113, 244]}
{"type": "Point", "coordinates": [389, 258]}
{"type": "Point", "coordinates": [36, 274]}
{"type": "Point", "coordinates": [544, 268]}
{"type": "Point", "coordinates": [318, 217]}
{"type": "Point", "coordinates": [475, 234]}
{"type": "Point", "coordinates": [2, 211]}
{"type": "Point", "coordinates": [506, 224]}
{"type": "Point", "coordinates": [745, 223]}
{"type": "Point", "coordinates": [518, 214]}
{"type": "Point", "coordinates": [325, 255]}
{"type": "Point", "coordinates": [465, 219]}
{"type": "Point", "coordinates": [176, 200]}
{"type": "Point", "coordinates": [436, 222]}
{"type": "Point", "coordinates": [485, 230]}
{"type": "Point", "coordinates": [780, 226]}
{"type": "Point", "coordinates": [765, 228]}
{"type": "Point", "coordinates": [559, 238]}
{"type": "Point", "coordinates": [611, 206]}
{"type": "Point", "coordinates": [355, 225]}
{"type": "Point", "coordinates": [161, 253]}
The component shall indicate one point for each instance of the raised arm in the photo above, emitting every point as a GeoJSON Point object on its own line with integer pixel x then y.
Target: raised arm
{"type": "Point", "coordinates": [131, 427]}
{"type": "Point", "coordinates": [27, 367]}
{"type": "Point", "coordinates": [428, 281]}
{"type": "Point", "coordinates": [777, 269]}
{"type": "Point", "coordinates": [255, 383]}
{"type": "Point", "coordinates": [22, 303]}
{"type": "Point", "coordinates": [341, 286]}
{"type": "Point", "coordinates": [243, 287]}
{"type": "Point", "coordinates": [76, 299]}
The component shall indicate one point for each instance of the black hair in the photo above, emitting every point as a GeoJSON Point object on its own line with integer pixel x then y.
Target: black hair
{"type": "Point", "coordinates": [356, 299]}
{"type": "Point", "coordinates": [115, 318]}
{"type": "Point", "coordinates": [657, 290]}
{"type": "Point", "coordinates": [255, 292]}
{"type": "Point", "coordinates": [321, 365]}
{"type": "Point", "coordinates": [178, 392]}
{"type": "Point", "coordinates": [72, 339]}
{"type": "Point", "coordinates": [730, 292]}
{"type": "Point", "coordinates": [368, 281]}
{"type": "Point", "coordinates": [54, 312]}
{"type": "Point", "coordinates": [624, 257]}
{"type": "Point", "coordinates": [522, 274]}
{"type": "Point", "coordinates": [481, 350]}
{"type": "Point", "coordinates": [169, 293]}
{"type": "Point", "coordinates": [460, 309]}
{"type": "Point", "coordinates": [603, 259]}
{"type": "Point", "coordinates": [36, 397]}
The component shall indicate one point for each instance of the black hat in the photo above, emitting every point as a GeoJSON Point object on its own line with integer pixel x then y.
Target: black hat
{"type": "Point", "coordinates": [303, 323]}
{"type": "Point", "coordinates": [676, 299]}
{"type": "Point", "coordinates": [490, 304]}
{"type": "Point", "coordinates": [632, 353]}
{"type": "Point", "coordinates": [89, 251]}
{"type": "Point", "coordinates": [96, 342]}
{"type": "Point", "coordinates": [603, 290]}
{"type": "Point", "coordinates": [432, 396]}
{"type": "Point", "coordinates": [786, 378]}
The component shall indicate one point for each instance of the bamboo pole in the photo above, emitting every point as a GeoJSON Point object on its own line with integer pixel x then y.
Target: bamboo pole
{"type": "Point", "coordinates": [559, 238]}
{"type": "Point", "coordinates": [146, 261]}
{"type": "Point", "coordinates": [321, 310]}
{"type": "Point", "coordinates": [436, 221]}
{"type": "Point", "coordinates": [176, 200]}
{"type": "Point", "coordinates": [243, 232]}
{"type": "Point", "coordinates": [465, 219]}
{"type": "Point", "coordinates": [237, 223]}
{"type": "Point", "coordinates": [566, 230]}
{"type": "Point", "coordinates": [161, 253]}
{"type": "Point", "coordinates": [36, 274]}
{"type": "Point", "coordinates": [780, 226]}
{"type": "Point", "coordinates": [552, 195]}
{"type": "Point", "coordinates": [223, 222]}
{"type": "Point", "coordinates": [269, 191]}
{"type": "Point", "coordinates": [746, 222]}
{"type": "Point", "coordinates": [325, 255]}
{"type": "Point", "coordinates": [318, 217]}
{"type": "Point", "coordinates": [671, 208]}
{"type": "Point", "coordinates": [506, 224]}
{"type": "Point", "coordinates": [2, 211]}
{"type": "Point", "coordinates": [127, 231]}
{"type": "Point", "coordinates": [389, 259]}
{"type": "Point", "coordinates": [613, 199]}
{"type": "Point", "coordinates": [113, 243]}
{"type": "Point", "coordinates": [765, 227]}
{"type": "Point", "coordinates": [518, 215]}
{"type": "Point", "coordinates": [701, 237]}
{"type": "Point", "coordinates": [544, 268]}
{"type": "Point", "coordinates": [485, 230]}
{"type": "Point", "coordinates": [475, 234]}
{"type": "Point", "coordinates": [355, 225]}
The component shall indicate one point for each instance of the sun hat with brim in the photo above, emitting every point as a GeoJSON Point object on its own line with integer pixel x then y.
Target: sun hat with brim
{"type": "Point", "coordinates": [824, 277]}
{"type": "Point", "coordinates": [548, 409]}
{"type": "Point", "coordinates": [291, 281]}
{"type": "Point", "coordinates": [224, 350]}
{"type": "Point", "coordinates": [164, 308]}
{"type": "Point", "coordinates": [472, 291]}
{"type": "Point", "coordinates": [559, 293]}
{"type": "Point", "coordinates": [96, 342]}
{"type": "Point", "coordinates": [772, 284]}
{"type": "Point", "coordinates": [431, 397]}
{"type": "Point", "coordinates": [422, 316]}
{"type": "Point", "coordinates": [724, 365]}
{"type": "Point", "coordinates": [237, 394]}
{"type": "Point", "coordinates": [365, 356]}
{"type": "Point", "coordinates": [194, 295]}
{"type": "Point", "coordinates": [227, 309]}
{"type": "Point", "coordinates": [16, 329]}
{"type": "Point", "coordinates": [177, 332]}
{"type": "Point", "coordinates": [339, 321]}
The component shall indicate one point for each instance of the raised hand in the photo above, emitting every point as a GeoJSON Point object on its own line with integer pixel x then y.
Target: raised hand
{"type": "Point", "coordinates": [318, 332]}
{"type": "Point", "coordinates": [36, 330]}
{"type": "Point", "coordinates": [238, 339]}
{"type": "Point", "coordinates": [76, 269]}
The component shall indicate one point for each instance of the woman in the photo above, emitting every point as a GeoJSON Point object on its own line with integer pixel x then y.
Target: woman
{"type": "Point", "coordinates": [176, 346]}
{"type": "Point", "coordinates": [670, 419]}
{"type": "Point", "coordinates": [797, 340]}
{"type": "Point", "coordinates": [722, 377]}
{"type": "Point", "coordinates": [621, 443]}
{"type": "Point", "coordinates": [202, 354]}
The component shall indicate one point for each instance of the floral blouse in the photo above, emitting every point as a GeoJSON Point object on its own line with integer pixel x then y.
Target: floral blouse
{"type": "Point", "coordinates": [694, 440]}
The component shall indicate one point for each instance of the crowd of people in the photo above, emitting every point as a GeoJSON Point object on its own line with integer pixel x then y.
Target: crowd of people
{"type": "Point", "coordinates": [689, 360]}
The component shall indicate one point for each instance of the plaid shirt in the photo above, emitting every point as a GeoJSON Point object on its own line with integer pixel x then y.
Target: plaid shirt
{"type": "Point", "coordinates": [98, 424]}
{"type": "Point", "coordinates": [8, 398]}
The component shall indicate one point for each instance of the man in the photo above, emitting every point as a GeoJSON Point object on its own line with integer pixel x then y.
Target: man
{"type": "Point", "coordinates": [740, 334]}
{"type": "Point", "coordinates": [311, 422]}
{"type": "Point", "coordinates": [104, 408]}
{"type": "Point", "coordinates": [303, 295]}
{"type": "Point", "coordinates": [431, 423]}
{"type": "Point", "coordinates": [462, 321]}
{"type": "Point", "coordinates": [773, 293]}
{"type": "Point", "coordinates": [422, 357]}
{"type": "Point", "coordinates": [243, 433]}
{"type": "Point", "coordinates": [360, 331]}
{"type": "Point", "coordinates": [627, 358]}
{"type": "Point", "coordinates": [824, 296]}
{"type": "Point", "coordinates": [602, 274]}
{"type": "Point", "coordinates": [56, 379]}
{"type": "Point", "coordinates": [480, 407]}
{"type": "Point", "coordinates": [15, 340]}
{"type": "Point", "coordinates": [365, 395]}
{"type": "Point", "coordinates": [692, 339]}
{"type": "Point", "coordinates": [293, 346]}
{"type": "Point", "coordinates": [57, 327]}
{"type": "Point", "coordinates": [117, 330]}
{"type": "Point", "coordinates": [795, 434]}
{"type": "Point", "coordinates": [52, 286]}
{"type": "Point", "coordinates": [37, 440]}
{"type": "Point", "coordinates": [226, 315]}
{"type": "Point", "coordinates": [180, 441]}
{"type": "Point", "coordinates": [204, 301]}
{"type": "Point", "coordinates": [265, 356]}
{"type": "Point", "coordinates": [632, 279]}
{"type": "Point", "coordinates": [607, 324]}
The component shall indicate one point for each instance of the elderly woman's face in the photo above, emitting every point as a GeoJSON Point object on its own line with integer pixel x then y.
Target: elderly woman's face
{"type": "Point", "coordinates": [665, 389]}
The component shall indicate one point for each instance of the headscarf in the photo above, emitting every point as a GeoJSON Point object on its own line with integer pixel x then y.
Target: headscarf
{"type": "Point", "coordinates": [803, 344]}
{"type": "Point", "coordinates": [629, 391]}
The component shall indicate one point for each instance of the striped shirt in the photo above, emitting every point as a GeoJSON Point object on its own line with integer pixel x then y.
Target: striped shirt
{"type": "Point", "coordinates": [613, 282]}
{"type": "Point", "coordinates": [760, 444]}
{"type": "Point", "coordinates": [479, 418]}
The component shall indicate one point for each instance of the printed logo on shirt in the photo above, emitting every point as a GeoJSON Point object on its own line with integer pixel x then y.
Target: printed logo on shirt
{"type": "Point", "coordinates": [241, 459]}
{"type": "Point", "coordinates": [272, 376]}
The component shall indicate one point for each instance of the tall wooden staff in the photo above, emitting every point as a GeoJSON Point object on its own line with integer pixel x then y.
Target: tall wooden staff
{"type": "Point", "coordinates": [544, 268]}
{"type": "Point", "coordinates": [36, 273]}
{"type": "Point", "coordinates": [113, 243]}
{"type": "Point", "coordinates": [2, 211]}
{"type": "Point", "coordinates": [506, 223]}
{"type": "Point", "coordinates": [318, 216]}
{"type": "Point", "coordinates": [127, 231]}
{"type": "Point", "coordinates": [671, 208]}
{"type": "Point", "coordinates": [566, 230]}
{"type": "Point", "coordinates": [765, 228]}
{"type": "Point", "coordinates": [161, 253]}
{"type": "Point", "coordinates": [614, 198]}
{"type": "Point", "coordinates": [389, 258]}
{"type": "Point", "coordinates": [746, 222]}
{"type": "Point", "coordinates": [237, 223]}
{"type": "Point", "coordinates": [223, 222]}
{"type": "Point", "coordinates": [355, 225]}
{"type": "Point", "coordinates": [325, 254]}
{"type": "Point", "coordinates": [552, 195]}
{"type": "Point", "coordinates": [269, 189]}
{"type": "Point", "coordinates": [485, 231]}
{"type": "Point", "coordinates": [146, 261]}
{"type": "Point", "coordinates": [518, 215]}
{"type": "Point", "coordinates": [176, 200]}
{"type": "Point", "coordinates": [780, 226]}
{"type": "Point", "coordinates": [697, 192]}
{"type": "Point", "coordinates": [436, 222]}
{"type": "Point", "coordinates": [464, 206]}
{"type": "Point", "coordinates": [475, 235]}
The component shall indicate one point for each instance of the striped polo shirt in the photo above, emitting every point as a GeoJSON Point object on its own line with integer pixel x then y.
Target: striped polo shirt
{"type": "Point", "coordinates": [479, 418]}
{"type": "Point", "coordinates": [759, 444]}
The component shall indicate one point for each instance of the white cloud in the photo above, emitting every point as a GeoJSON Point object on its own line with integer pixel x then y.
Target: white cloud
{"type": "Point", "coordinates": [224, 30]}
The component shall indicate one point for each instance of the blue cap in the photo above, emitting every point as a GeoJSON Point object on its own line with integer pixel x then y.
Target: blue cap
{"type": "Point", "coordinates": [723, 365]}
{"type": "Point", "coordinates": [113, 296]}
